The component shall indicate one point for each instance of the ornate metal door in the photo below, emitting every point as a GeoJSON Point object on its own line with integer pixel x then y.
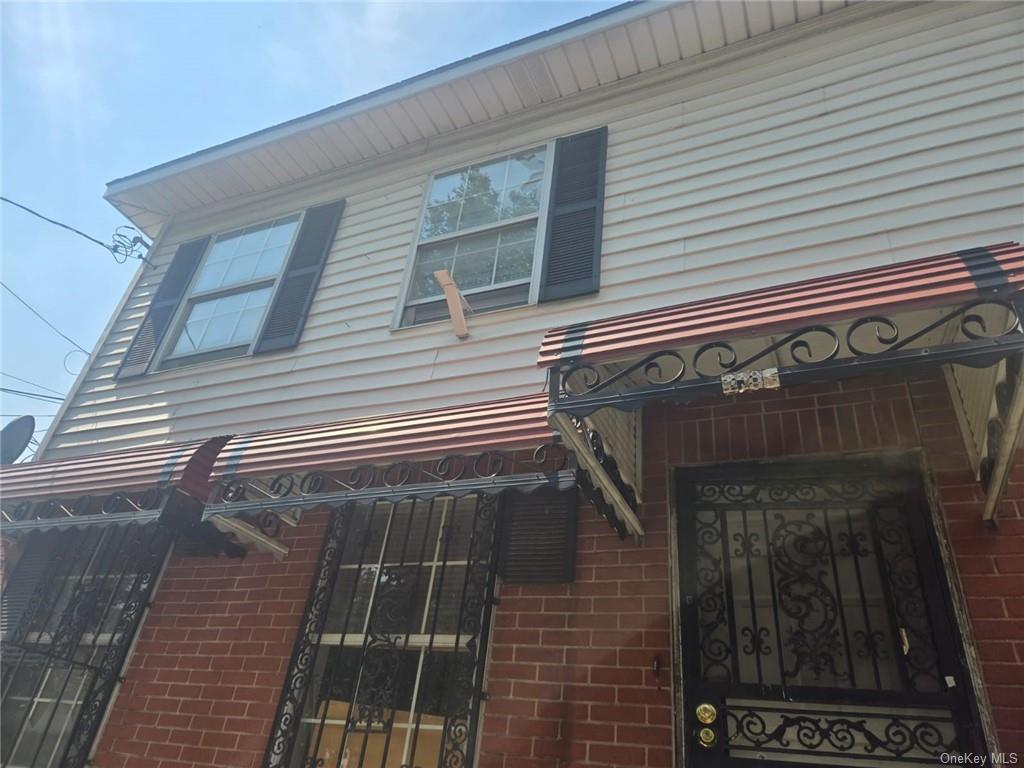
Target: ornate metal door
{"type": "Point", "coordinates": [815, 623]}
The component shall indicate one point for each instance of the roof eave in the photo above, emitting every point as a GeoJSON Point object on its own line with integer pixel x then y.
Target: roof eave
{"type": "Point", "coordinates": [446, 74]}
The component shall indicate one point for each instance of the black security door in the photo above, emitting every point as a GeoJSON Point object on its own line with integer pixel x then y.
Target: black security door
{"type": "Point", "coordinates": [815, 625]}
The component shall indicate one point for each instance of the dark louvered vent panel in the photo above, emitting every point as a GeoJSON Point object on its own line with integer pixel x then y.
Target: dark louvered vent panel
{"type": "Point", "coordinates": [572, 236]}
{"type": "Point", "coordinates": [572, 251]}
{"type": "Point", "coordinates": [539, 543]}
{"type": "Point", "coordinates": [578, 169]}
{"type": "Point", "coordinates": [152, 328]}
{"type": "Point", "coordinates": [161, 311]}
{"type": "Point", "coordinates": [302, 275]}
{"type": "Point", "coordinates": [289, 306]}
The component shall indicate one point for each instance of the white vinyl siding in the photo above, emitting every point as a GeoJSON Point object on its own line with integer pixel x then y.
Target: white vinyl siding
{"type": "Point", "coordinates": [892, 137]}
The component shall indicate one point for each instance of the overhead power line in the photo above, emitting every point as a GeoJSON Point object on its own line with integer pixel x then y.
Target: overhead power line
{"type": "Point", "coordinates": [126, 243]}
{"type": "Point", "coordinates": [31, 309]}
{"type": "Point", "coordinates": [32, 395]}
{"type": "Point", "coordinates": [32, 383]}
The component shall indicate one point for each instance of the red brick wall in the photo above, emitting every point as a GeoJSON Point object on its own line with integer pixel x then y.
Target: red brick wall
{"type": "Point", "coordinates": [203, 684]}
{"type": "Point", "coordinates": [571, 678]}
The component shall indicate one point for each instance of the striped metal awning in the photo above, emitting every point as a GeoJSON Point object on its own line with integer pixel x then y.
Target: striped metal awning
{"type": "Point", "coordinates": [962, 308]}
{"type": "Point", "coordinates": [465, 429]}
{"type": "Point", "coordinates": [71, 492]}
{"type": "Point", "coordinates": [422, 454]}
{"type": "Point", "coordinates": [930, 282]}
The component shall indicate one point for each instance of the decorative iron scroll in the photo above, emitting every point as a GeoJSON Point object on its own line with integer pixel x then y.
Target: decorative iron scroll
{"type": "Point", "coordinates": [965, 330]}
{"type": "Point", "coordinates": [900, 738]}
{"type": "Point", "coordinates": [548, 458]}
{"type": "Point", "coordinates": [85, 509]}
{"type": "Point", "coordinates": [714, 624]}
{"type": "Point", "coordinates": [773, 556]}
{"type": "Point", "coordinates": [300, 669]}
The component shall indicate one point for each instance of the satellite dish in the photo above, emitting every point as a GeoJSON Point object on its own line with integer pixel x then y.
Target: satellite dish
{"type": "Point", "coordinates": [14, 438]}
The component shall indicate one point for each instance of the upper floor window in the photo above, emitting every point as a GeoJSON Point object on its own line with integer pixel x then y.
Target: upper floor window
{"type": "Point", "coordinates": [229, 297]}
{"type": "Point", "coordinates": [516, 229]}
{"type": "Point", "coordinates": [481, 223]}
{"type": "Point", "coordinates": [240, 292]}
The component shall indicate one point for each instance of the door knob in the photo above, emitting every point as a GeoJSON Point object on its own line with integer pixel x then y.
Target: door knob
{"type": "Point", "coordinates": [706, 713]}
{"type": "Point", "coordinates": [706, 737]}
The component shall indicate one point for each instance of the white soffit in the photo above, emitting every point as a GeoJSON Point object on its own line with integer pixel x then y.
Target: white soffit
{"type": "Point", "coordinates": [595, 51]}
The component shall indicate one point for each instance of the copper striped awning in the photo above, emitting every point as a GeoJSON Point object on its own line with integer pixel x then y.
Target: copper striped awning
{"type": "Point", "coordinates": [453, 451]}
{"type": "Point", "coordinates": [42, 494]}
{"type": "Point", "coordinates": [419, 435]}
{"type": "Point", "coordinates": [922, 283]}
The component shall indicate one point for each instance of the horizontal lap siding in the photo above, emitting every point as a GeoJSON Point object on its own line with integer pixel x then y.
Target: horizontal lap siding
{"type": "Point", "coordinates": [896, 137]}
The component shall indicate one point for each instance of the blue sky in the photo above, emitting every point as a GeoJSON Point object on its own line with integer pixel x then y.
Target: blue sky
{"type": "Point", "coordinates": [93, 91]}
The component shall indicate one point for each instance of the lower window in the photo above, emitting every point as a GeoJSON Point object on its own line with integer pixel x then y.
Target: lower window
{"type": "Point", "coordinates": [388, 665]}
{"type": "Point", "coordinates": [70, 609]}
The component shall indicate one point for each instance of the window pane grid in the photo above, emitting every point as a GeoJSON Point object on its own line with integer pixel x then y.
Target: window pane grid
{"type": "Point", "coordinates": [480, 223]}
{"type": "Point", "coordinates": [246, 254]}
{"type": "Point", "coordinates": [486, 260]}
{"type": "Point", "coordinates": [225, 321]}
{"type": "Point", "coordinates": [485, 193]}
{"type": "Point", "coordinates": [229, 297]}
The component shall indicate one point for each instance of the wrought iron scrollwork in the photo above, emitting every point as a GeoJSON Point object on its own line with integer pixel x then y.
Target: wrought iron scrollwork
{"type": "Point", "coordinates": [801, 550]}
{"type": "Point", "coordinates": [884, 735]}
{"type": "Point", "coordinates": [116, 503]}
{"type": "Point", "coordinates": [713, 636]}
{"type": "Point", "coordinates": [461, 698]}
{"type": "Point", "coordinates": [88, 599]}
{"type": "Point", "coordinates": [547, 457]}
{"type": "Point", "coordinates": [811, 539]}
{"type": "Point", "coordinates": [300, 669]}
{"type": "Point", "coordinates": [661, 368]}
{"type": "Point", "coordinates": [146, 554]}
{"type": "Point", "coordinates": [816, 345]}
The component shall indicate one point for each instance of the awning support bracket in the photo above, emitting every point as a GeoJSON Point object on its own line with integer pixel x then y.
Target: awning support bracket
{"type": "Point", "coordinates": [599, 486]}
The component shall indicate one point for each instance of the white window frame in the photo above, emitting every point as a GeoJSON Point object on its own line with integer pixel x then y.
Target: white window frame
{"type": "Point", "coordinates": [190, 298]}
{"type": "Point", "coordinates": [538, 250]}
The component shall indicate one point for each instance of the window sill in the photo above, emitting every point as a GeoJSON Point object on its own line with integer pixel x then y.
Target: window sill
{"type": "Point", "coordinates": [205, 358]}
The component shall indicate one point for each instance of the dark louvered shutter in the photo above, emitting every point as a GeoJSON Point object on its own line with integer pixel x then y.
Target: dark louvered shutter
{"type": "Point", "coordinates": [20, 588]}
{"type": "Point", "coordinates": [572, 253]}
{"type": "Point", "coordinates": [301, 277]}
{"type": "Point", "coordinates": [539, 541]}
{"type": "Point", "coordinates": [161, 311]}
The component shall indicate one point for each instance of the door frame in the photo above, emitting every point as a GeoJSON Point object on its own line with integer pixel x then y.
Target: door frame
{"type": "Point", "coordinates": [911, 460]}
